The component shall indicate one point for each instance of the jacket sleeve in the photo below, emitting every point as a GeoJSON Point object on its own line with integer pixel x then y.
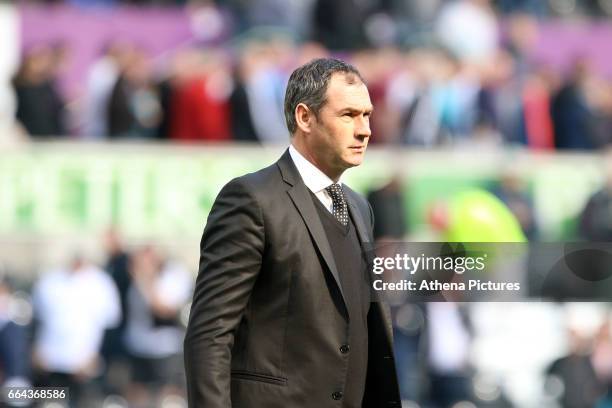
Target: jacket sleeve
{"type": "Point", "coordinates": [230, 260]}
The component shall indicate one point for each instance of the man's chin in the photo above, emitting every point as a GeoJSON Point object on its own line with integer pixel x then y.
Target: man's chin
{"type": "Point", "coordinates": [357, 158]}
{"type": "Point", "coordinates": [353, 161]}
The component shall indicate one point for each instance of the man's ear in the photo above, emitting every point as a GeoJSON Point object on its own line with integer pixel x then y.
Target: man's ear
{"type": "Point", "coordinates": [304, 117]}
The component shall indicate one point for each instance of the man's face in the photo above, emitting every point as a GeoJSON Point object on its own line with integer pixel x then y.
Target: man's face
{"type": "Point", "coordinates": [341, 131]}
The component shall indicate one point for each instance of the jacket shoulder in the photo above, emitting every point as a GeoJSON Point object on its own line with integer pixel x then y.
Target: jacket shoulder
{"type": "Point", "coordinates": [362, 204]}
{"type": "Point", "coordinates": [260, 182]}
{"type": "Point", "coordinates": [357, 198]}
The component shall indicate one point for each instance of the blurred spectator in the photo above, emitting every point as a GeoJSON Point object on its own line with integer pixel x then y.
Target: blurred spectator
{"type": "Point", "coordinates": [500, 101]}
{"type": "Point", "coordinates": [201, 86]}
{"type": "Point", "coordinates": [164, 87]}
{"type": "Point", "coordinates": [73, 307]}
{"type": "Point", "coordinates": [448, 348]}
{"type": "Point", "coordinates": [256, 102]}
{"type": "Point", "coordinates": [338, 24]}
{"type": "Point", "coordinates": [134, 109]}
{"type": "Point", "coordinates": [468, 28]}
{"type": "Point", "coordinates": [154, 334]}
{"type": "Point", "coordinates": [602, 362]}
{"type": "Point", "coordinates": [596, 218]}
{"type": "Point", "coordinates": [521, 39]}
{"type": "Point", "coordinates": [265, 88]}
{"type": "Point", "coordinates": [14, 342]}
{"type": "Point", "coordinates": [243, 128]}
{"type": "Point", "coordinates": [289, 16]}
{"type": "Point", "coordinates": [535, 7]}
{"type": "Point", "coordinates": [101, 79]}
{"type": "Point", "coordinates": [389, 210]}
{"type": "Point", "coordinates": [513, 193]}
{"type": "Point", "coordinates": [40, 108]}
{"type": "Point", "coordinates": [455, 91]}
{"type": "Point", "coordinates": [529, 119]}
{"type": "Point", "coordinates": [408, 331]}
{"type": "Point", "coordinates": [210, 23]}
{"type": "Point", "coordinates": [378, 67]}
{"type": "Point", "coordinates": [581, 388]}
{"type": "Point", "coordinates": [113, 348]}
{"type": "Point", "coordinates": [409, 99]}
{"type": "Point", "coordinates": [407, 23]}
{"type": "Point", "coordinates": [9, 61]}
{"type": "Point", "coordinates": [574, 111]}
{"type": "Point", "coordinates": [538, 122]}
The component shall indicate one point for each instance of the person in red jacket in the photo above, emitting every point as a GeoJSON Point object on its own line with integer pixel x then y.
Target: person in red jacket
{"type": "Point", "coordinates": [199, 108]}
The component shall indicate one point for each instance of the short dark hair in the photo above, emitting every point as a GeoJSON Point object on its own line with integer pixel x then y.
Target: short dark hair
{"type": "Point", "coordinates": [308, 84]}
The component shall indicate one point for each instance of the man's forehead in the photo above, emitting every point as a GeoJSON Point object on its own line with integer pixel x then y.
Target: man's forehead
{"type": "Point", "coordinates": [346, 90]}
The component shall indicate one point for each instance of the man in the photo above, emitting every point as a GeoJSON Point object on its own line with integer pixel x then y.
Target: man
{"type": "Point", "coordinates": [282, 314]}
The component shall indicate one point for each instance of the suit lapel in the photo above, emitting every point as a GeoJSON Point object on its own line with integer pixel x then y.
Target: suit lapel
{"type": "Point", "coordinates": [362, 231]}
{"type": "Point", "coordinates": [368, 247]}
{"type": "Point", "coordinates": [298, 192]}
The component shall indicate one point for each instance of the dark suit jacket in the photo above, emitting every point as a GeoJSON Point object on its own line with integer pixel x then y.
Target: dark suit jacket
{"type": "Point", "coordinates": [268, 319]}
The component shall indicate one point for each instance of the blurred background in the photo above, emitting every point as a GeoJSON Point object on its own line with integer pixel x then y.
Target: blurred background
{"type": "Point", "coordinates": [121, 120]}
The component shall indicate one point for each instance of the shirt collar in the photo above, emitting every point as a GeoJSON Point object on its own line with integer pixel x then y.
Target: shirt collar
{"type": "Point", "coordinates": [313, 177]}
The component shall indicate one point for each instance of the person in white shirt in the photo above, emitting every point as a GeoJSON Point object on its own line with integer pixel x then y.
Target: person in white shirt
{"type": "Point", "coordinates": [73, 307]}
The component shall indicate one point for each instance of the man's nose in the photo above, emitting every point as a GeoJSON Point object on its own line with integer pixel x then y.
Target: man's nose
{"type": "Point", "coordinates": [362, 130]}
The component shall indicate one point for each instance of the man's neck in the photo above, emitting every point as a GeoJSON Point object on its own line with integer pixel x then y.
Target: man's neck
{"type": "Point", "coordinates": [333, 175]}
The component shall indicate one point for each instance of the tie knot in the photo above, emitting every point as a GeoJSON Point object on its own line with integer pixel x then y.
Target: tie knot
{"type": "Point", "coordinates": [335, 191]}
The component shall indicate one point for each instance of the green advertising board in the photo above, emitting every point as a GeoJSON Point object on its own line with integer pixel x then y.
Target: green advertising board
{"type": "Point", "coordinates": [167, 191]}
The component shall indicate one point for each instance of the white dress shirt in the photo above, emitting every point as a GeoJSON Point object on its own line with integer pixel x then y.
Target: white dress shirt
{"type": "Point", "coordinates": [315, 179]}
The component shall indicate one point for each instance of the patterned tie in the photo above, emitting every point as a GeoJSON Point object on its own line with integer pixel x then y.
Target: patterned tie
{"type": "Point", "coordinates": [339, 208]}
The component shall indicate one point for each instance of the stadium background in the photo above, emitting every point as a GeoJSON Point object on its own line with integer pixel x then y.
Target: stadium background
{"type": "Point", "coordinates": [121, 120]}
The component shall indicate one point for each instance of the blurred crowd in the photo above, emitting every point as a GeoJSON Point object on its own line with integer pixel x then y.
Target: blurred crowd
{"type": "Point", "coordinates": [458, 354]}
{"type": "Point", "coordinates": [441, 73]}
{"type": "Point", "coordinates": [113, 334]}
{"type": "Point", "coordinates": [454, 72]}
{"type": "Point", "coordinates": [435, 347]}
